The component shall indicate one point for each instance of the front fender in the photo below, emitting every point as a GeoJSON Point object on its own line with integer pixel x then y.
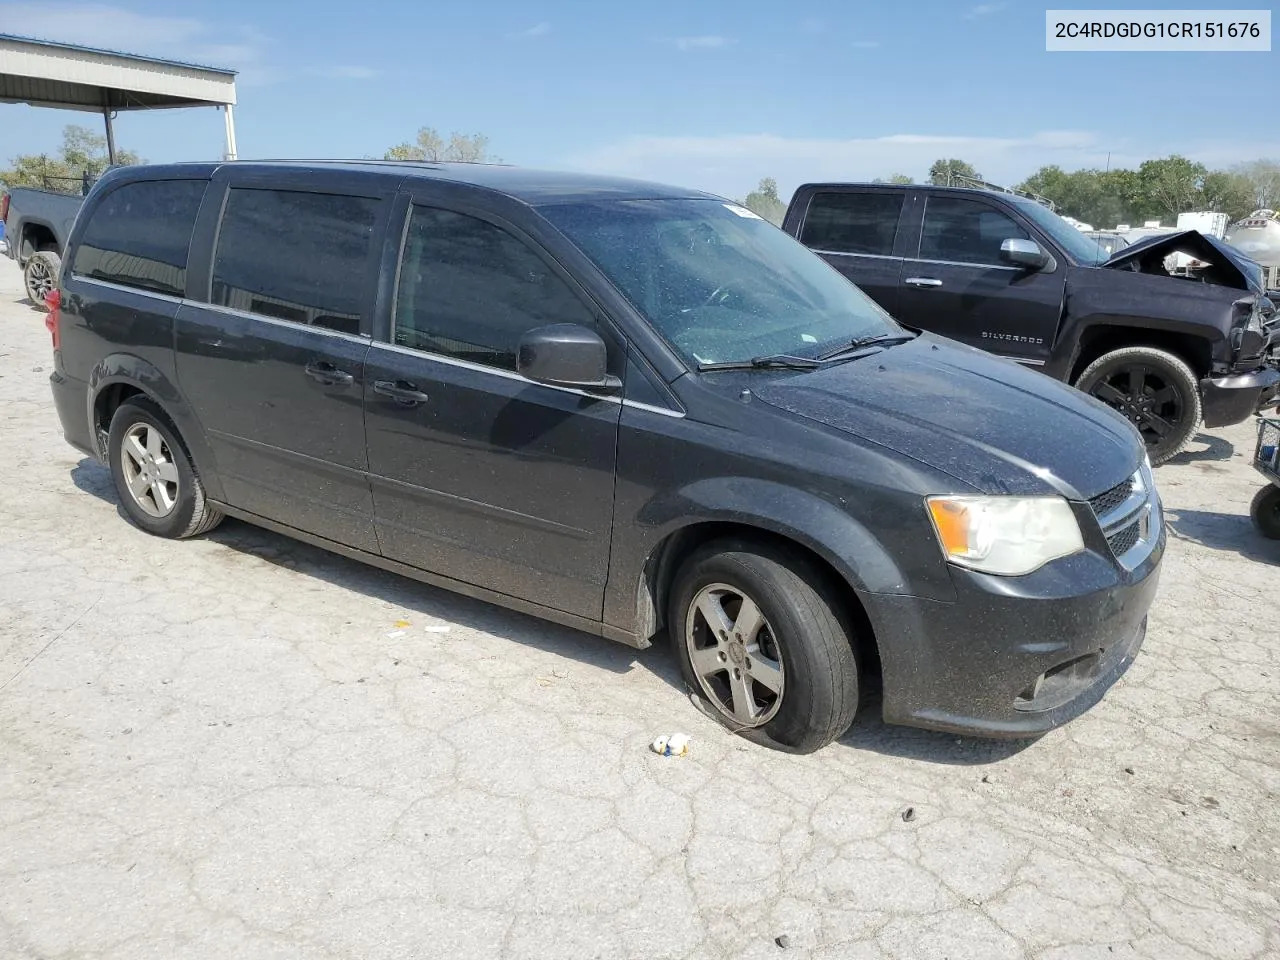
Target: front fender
{"type": "Point", "coordinates": [133, 371]}
{"type": "Point", "coordinates": [823, 527]}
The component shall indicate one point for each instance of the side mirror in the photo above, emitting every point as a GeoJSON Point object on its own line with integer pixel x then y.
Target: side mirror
{"type": "Point", "coordinates": [565, 355]}
{"type": "Point", "coordinates": [1023, 253]}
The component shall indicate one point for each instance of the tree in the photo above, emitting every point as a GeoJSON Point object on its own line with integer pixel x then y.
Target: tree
{"type": "Point", "coordinates": [1263, 177]}
{"type": "Point", "coordinates": [83, 153]}
{"type": "Point", "coordinates": [944, 171]}
{"type": "Point", "coordinates": [894, 178]}
{"type": "Point", "coordinates": [1171, 186]}
{"type": "Point", "coordinates": [1229, 192]}
{"type": "Point", "coordinates": [430, 146]}
{"type": "Point", "coordinates": [763, 200]}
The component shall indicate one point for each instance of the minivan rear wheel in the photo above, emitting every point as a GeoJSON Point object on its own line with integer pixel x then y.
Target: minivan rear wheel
{"type": "Point", "coordinates": [761, 640]}
{"type": "Point", "coordinates": [155, 479]}
{"type": "Point", "coordinates": [1154, 390]}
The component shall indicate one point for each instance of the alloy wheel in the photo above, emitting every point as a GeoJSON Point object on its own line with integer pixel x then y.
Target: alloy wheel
{"type": "Point", "coordinates": [1145, 398]}
{"type": "Point", "coordinates": [735, 655]}
{"type": "Point", "coordinates": [149, 470]}
{"type": "Point", "coordinates": [40, 280]}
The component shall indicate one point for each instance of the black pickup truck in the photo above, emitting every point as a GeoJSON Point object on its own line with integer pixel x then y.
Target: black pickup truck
{"type": "Point", "coordinates": [1005, 273]}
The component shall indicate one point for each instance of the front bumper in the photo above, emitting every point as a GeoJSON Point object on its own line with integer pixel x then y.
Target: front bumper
{"type": "Point", "coordinates": [1238, 396]}
{"type": "Point", "coordinates": [1014, 656]}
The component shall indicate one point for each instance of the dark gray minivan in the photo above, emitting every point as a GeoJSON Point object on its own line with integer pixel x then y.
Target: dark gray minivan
{"type": "Point", "coordinates": [619, 406]}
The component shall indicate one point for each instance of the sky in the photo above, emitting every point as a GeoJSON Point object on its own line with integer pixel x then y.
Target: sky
{"type": "Point", "coordinates": [708, 94]}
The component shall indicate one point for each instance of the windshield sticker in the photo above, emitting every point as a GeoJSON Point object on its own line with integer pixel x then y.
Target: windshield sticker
{"type": "Point", "coordinates": [808, 338]}
{"type": "Point", "coordinates": [742, 211]}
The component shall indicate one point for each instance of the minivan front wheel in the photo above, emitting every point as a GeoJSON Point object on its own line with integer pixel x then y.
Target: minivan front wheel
{"type": "Point", "coordinates": [1154, 390]}
{"type": "Point", "coordinates": [157, 484]}
{"type": "Point", "coordinates": [761, 640]}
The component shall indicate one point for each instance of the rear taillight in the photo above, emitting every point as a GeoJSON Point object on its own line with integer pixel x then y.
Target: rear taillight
{"type": "Point", "coordinates": [53, 300]}
{"type": "Point", "coordinates": [4, 208]}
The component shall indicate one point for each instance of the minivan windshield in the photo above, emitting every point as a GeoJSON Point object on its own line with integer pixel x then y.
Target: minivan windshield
{"type": "Point", "coordinates": [1079, 247]}
{"type": "Point", "coordinates": [718, 282]}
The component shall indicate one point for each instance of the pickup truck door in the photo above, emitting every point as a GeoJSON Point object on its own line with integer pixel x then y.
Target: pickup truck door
{"type": "Point", "coordinates": [857, 232]}
{"type": "Point", "coordinates": [955, 284]}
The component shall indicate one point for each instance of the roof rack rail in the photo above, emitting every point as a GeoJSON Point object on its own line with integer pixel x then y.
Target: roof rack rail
{"type": "Point", "coordinates": [959, 180]}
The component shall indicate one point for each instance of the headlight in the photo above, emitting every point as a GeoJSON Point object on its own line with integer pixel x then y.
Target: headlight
{"type": "Point", "coordinates": [1008, 536]}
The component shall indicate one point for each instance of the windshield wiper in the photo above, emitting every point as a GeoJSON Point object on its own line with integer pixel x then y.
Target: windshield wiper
{"type": "Point", "coordinates": [879, 340]}
{"type": "Point", "coordinates": [780, 361]}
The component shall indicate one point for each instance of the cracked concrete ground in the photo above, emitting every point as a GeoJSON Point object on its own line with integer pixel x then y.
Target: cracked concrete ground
{"type": "Point", "coordinates": [244, 747]}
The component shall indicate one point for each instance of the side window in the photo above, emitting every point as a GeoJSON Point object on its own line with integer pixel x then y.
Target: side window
{"type": "Point", "coordinates": [296, 256]}
{"type": "Point", "coordinates": [469, 289]}
{"type": "Point", "coordinates": [852, 222]}
{"type": "Point", "coordinates": [966, 231]}
{"type": "Point", "coordinates": [139, 235]}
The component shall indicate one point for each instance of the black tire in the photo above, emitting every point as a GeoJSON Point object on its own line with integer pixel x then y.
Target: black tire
{"type": "Point", "coordinates": [190, 514]}
{"type": "Point", "coordinates": [1154, 390]}
{"type": "Point", "coordinates": [1265, 511]}
{"type": "Point", "coordinates": [819, 677]}
{"type": "Point", "coordinates": [40, 274]}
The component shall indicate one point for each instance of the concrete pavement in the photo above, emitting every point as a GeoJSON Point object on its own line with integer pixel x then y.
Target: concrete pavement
{"type": "Point", "coordinates": [244, 747]}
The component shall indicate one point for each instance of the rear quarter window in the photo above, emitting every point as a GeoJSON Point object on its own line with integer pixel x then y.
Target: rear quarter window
{"type": "Point", "coordinates": [846, 222]}
{"type": "Point", "coordinates": [140, 234]}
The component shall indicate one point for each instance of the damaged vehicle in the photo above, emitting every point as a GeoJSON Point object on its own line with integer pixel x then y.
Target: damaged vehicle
{"type": "Point", "coordinates": [1172, 349]}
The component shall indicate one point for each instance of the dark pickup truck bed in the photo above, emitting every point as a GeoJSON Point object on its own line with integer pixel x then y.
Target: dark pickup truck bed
{"type": "Point", "coordinates": [1004, 273]}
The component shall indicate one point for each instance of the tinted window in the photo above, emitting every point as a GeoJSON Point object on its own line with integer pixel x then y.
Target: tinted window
{"type": "Point", "coordinates": [297, 256]}
{"type": "Point", "coordinates": [469, 289]}
{"type": "Point", "coordinates": [852, 222]}
{"type": "Point", "coordinates": [967, 231]}
{"type": "Point", "coordinates": [139, 235]}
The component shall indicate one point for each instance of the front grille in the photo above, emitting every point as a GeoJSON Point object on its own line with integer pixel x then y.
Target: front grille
{"type": "Point", "coordinates": [1122, 541]}
{"type": "Point", "coordinates": [1104, 503]}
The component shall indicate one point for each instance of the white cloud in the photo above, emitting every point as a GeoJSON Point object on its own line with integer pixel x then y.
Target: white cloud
{"type": "Point", "coordinates": [731, 165]}
{"type": "Point", "coordinates": [537, 30]}
{"type": "Point", "coordinates": [985, 10]}
{"type": "Point", "coordinates": [710, 42]}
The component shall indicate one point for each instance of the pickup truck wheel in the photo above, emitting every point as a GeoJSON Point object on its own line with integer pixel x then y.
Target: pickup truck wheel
{"type": "Point", "coordinates": [1154, 390]}
{"type": "Point", "coordinates": [762, 643]}
{"type": "Point", "coordinates": [154, 477]}
{"type": "Point", "coordinates": [41, 275]}
{"type": "Point", "coordinates": [1265, 511]}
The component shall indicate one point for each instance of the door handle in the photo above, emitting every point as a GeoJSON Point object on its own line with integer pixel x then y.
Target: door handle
{"type": "Point", "coordinates": [923, 281]}
{"type": "Point", "coordinates": [401, 391]}
{"type": "Point", "coordinates": [322, 371]}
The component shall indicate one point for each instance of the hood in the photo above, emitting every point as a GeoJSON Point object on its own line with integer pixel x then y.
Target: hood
{"type": "Point", "coordinates": [1235, 269]}
{"type": "Point", "coordinates": [988, 422]}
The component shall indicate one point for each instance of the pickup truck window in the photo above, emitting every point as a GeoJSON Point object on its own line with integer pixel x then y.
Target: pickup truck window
{"type": "Point", "coordinates": [139, 235]}
{"type": "Point", "coordinates": [965, 231]}
{"type": "Point", "coordinates": [1081, 249]}
{"type": "Point", "coordinates": [847, 222]}
{"type": "Point", "coordinates": [296, 256]}
{"type": "Point", "coordinates": [468, 289]}
{"type": "Point", "coordinates": [718, 282]}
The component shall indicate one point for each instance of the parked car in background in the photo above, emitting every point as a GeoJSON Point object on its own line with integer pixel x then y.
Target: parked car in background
{"type": "Point", "coordinates": [621, 407]}
{"type": "Point", "coordinates": [1004, 273]}
{"type": "Point", "coordinates": [1110, 242]}
{"type": "Point", "coordinates": [36, 225]}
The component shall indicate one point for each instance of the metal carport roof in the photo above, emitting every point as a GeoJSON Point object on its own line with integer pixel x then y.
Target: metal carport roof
{"type": "Point", "coordinates": [47, 74]}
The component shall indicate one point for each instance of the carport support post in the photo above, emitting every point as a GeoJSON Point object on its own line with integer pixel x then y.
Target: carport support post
{"type": "Point", "coordinates": [231, 132]}
{"type": "Point", "coordinates": [111, 136]}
